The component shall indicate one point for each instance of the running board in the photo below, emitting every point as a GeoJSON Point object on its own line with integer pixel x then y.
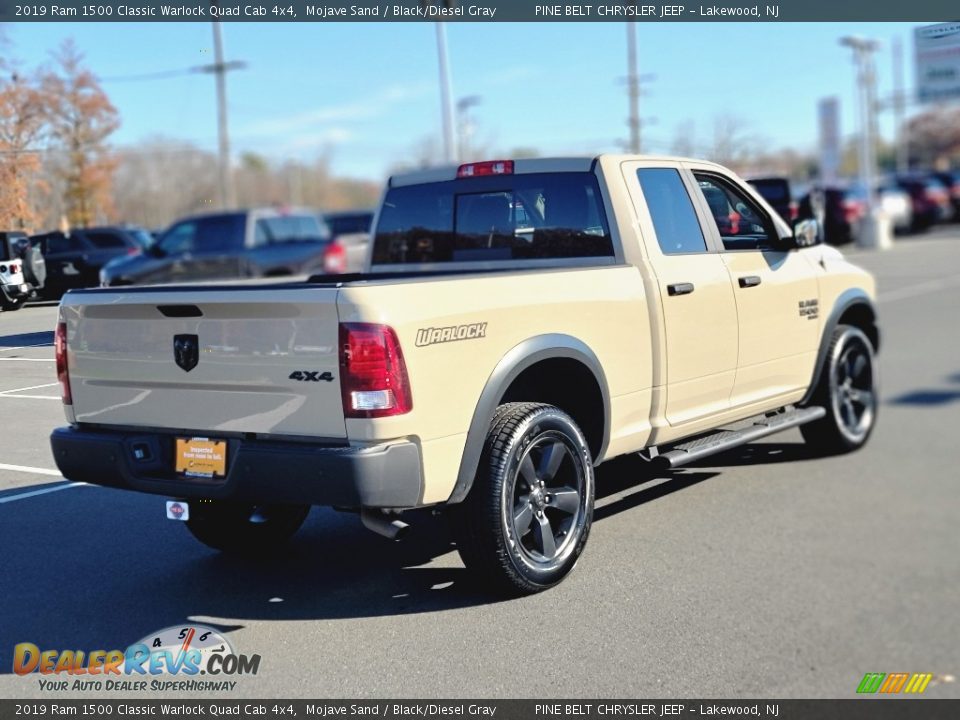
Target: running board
{"type": "Point", "coordinates": [721, 440]}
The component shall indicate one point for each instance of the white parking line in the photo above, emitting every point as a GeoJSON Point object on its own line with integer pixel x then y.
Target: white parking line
{"type": "Point", "coordinates": [30, 397]}
{"type": "Point", "coordinates": [23, 347]}
{"type": "Point", "coordinates": [32, 387]}
{"type": "Point", "coordinates": [53, 360]}
{"type": "Point", "coordinates": [34, 493]}
{"type": "Point", "coordinates": [28, 469]}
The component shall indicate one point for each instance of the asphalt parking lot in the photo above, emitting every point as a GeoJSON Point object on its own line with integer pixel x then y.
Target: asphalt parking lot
{"type": "Point", "coordinates": [761, 572]}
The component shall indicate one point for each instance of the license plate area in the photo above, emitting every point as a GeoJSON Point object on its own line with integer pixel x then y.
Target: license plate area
{"type": "Point", "coordinates": [200, 457]}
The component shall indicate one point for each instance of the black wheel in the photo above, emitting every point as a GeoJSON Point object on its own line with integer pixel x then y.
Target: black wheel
{"type": "Point", "coordinates": [847, 388]}
{"type": "Point", "coordinates": [11, 305]}
{"type": "Point", "coordinates": [244, 528]}
{"type": "Point", "coordinates": [526, 519]}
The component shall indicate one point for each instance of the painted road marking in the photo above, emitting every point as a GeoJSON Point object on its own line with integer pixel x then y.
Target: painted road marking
{"type": "Point", "coordinates": [23, 347]}
{"type": "Point", "coordinates": [28, 469]}
{"type": "Point", "coordinates": [919, 289]}
{"type": "Point", "coordinates": [53, 360]}
{"type": "Point", "coordinates": [30, 397]}
{"type": "Point", "coordinates": [34, 493]}
{"type": "Point", "coordinates": [32, 387]}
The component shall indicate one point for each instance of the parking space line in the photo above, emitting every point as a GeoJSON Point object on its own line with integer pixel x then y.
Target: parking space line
{"type": "Point", "coordinates": [44, 491]}
{"type": "Point", "coordinates": [28, 469]}
{"type": "Point", "coordinates": [23, 347]}
{"type": "Point", "coordinates": [53, 360]}
{"type": "Point", "coordinates": [30, 397]}
{"type": "Point", "coordinates": [32, 387]}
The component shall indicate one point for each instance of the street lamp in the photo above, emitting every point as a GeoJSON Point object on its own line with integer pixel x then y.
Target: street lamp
{"type": "Point", "coordinates": [875, 230]}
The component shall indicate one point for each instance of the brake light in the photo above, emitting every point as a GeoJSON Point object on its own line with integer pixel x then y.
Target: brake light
{"type": "Point", "coordinates": [63, 372]}
{"type": "Point", "coordinates": [14, 268]}
{"type": "Point", "coordinates": [334, 259]}
{"type": "Point", "coordinates": [852, 210]}
{"type": "Point", "coordinates": [133, 251]}
{"type": "Point", "coordinates": [373, 375]}
{"type": "Point", "coordinates": [794, 210]}
{"type": "Point", "coordinates": [490, 167]}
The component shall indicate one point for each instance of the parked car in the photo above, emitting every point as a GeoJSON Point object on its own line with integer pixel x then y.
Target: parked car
{"type": "Point", "coordinates": [351, 240]}
{"type": "Point", "coordinates": [14, 289]}
{"type": "Point", "coordinates": [894, 201]}
{"type": "Point", "coordinates": [951, 181]}
{"type": "Point", "coordinates": [838, 209]}
{"type": "Point", "coordinates": [776, 191]}
{"type": "Point", "coordinates": [930, 199]}
{"type": "Point", "coordinates": [265, 242]}
{"type": "Point", "coordinates": [74, 258]}
{"type": "Point", "coordinates": [482, 367]}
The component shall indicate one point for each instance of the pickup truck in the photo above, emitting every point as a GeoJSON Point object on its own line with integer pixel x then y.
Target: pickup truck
{"type": "Point", "coordinates": [520, 322]}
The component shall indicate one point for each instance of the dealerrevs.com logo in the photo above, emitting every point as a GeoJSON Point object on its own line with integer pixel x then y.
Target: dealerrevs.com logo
{"type": "Point", "coordinates": [171, 659]}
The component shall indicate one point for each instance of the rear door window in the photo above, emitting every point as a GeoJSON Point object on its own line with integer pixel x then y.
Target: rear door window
{"type": "Point", "coordinates": [494, 218]}
{"type": "Point", "coordinates": [741, 223]}
{"type": "Point", "coordinates": [105, 240]}
{"type": "Point", "coordinates": [671, 210]}
{"type": "Point", "coordinates": [288, 229]}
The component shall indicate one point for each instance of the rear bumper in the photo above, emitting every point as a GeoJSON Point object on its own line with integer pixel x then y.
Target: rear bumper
{"type": "Point", "coordinates": [258, 471]}
{"type": "Point", "coordinates": [15, 290]}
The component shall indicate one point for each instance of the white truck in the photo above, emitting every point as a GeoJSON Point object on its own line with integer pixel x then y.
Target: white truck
{"type": "Point", "coordinates": [520, 322]}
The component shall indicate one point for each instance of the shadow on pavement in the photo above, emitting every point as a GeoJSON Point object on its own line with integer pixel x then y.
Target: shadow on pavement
{"type": "Point", "coordinates": [91, 568]}
{"type": "Point", "coordinates": [932, 396]}
{"type": "Point", "coordinates": [44, 337]}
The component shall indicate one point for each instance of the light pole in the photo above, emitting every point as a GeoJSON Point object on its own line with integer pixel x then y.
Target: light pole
{"type": "Point", "coordinates": [450, 152]}
{"type": "Point", "coordinates": [465, 126]}
{"type": "Point", "coordinates": [875, 228]}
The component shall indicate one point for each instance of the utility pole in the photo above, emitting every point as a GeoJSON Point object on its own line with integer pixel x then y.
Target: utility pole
{"type": "Point", "coordinates": [465, 126]}
{"type": "Point", "coordinates": [875, 230]}
{"type": "Point", "coordinates": [450, 152]}
{"type": "Point", "coordinates": [899, 106]}
{"type": "Point", "coordinates": [220, 70]}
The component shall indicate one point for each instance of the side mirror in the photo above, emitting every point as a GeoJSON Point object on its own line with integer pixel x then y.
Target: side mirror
{"type": "Point", "coordinates": [806, 233]}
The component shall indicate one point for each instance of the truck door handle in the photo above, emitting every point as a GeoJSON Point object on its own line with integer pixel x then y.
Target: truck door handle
{"type": "Point", "coordinates": [749, 281]}
{"type": "Point", "coordinates": [680, 289]}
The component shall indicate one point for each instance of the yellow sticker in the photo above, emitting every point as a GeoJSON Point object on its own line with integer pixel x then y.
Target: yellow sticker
{"type": "Point", "coordinates": [201, 457]}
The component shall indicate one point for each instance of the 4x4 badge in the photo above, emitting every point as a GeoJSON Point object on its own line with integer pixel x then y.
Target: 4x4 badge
{"type": "Point", "coordinates": [186, 351]}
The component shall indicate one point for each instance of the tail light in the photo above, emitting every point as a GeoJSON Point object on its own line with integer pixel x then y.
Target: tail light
{"type": "Point", "coordinates": [852, 210]}
{"type": "Point", "coordinates": [793, 211]}
{"type": "Point", "coordinates": [133, 251]}
{"type": "Point", "coordinates": [335, 259]}
{"type": "Point", "coordinates": [14, 269]}
{"type": "Point", "coordinates": [373, 375]}
{"type": "Point", "coordinates": [63, 372]}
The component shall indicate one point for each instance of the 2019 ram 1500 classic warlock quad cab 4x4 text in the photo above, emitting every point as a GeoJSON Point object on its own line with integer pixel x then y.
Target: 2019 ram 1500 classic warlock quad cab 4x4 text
{"type": "Point", "coordinates": [521, 322]}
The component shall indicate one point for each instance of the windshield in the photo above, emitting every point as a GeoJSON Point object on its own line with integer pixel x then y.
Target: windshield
{"type": "Point", "coordinates": [493, 218]}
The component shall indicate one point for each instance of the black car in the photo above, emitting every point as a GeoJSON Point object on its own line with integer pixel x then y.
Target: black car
{"type": "Point", "coordinates": [268, 242]}
{"type": "Point", "coordinates": [348, 222]}
{"type": "Point", "coordinates": [74, 259]}
{"type": "Point", "coordinates": [776, 191]}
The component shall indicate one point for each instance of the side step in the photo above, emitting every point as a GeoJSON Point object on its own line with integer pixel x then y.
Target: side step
{"type": "Point", "coordinates": [727, 439]}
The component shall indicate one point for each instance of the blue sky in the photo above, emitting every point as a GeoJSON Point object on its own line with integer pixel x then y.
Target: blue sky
{"type": "Point", "coordinates": [368, 92]}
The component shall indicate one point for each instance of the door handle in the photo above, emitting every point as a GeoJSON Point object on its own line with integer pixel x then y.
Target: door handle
{"type": "Point", "coordinates": [749, 281]}
{"type": "Point", "coordinates": [680, 289]}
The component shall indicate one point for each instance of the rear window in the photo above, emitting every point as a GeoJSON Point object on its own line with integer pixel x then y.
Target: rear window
{"type": "Point", "coordinates": [347, 224]}
{"type": "Point", "coordinates": [772, 191]}
{"type": "Point", "coordinates": [290, 228]}
{"type": "Point", "coordinates": [211, 233]}
{"type": "Point", "coordinates": [493, 219]}
{"type": "Point", "coordinates": [105, 241]}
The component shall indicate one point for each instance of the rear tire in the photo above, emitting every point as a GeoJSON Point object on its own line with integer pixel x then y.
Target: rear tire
{"type": "Point", "coordinates": [245, 528]}
{"type": "Point", "coordinates": [847, 388]}
{"type": "Point", "coordinates": [11, 305]}
{"type": "Point", "coordinates": [526, 520]}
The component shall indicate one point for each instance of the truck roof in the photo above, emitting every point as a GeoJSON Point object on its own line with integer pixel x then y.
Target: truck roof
{"type": "Point", "coordinates": [581, 163]}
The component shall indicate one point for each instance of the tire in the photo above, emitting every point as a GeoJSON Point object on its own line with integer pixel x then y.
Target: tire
{"type": "Point", "coordinates": [525, 522]}
{"type": "Point", "coordinates": [11, 305]}
{"type": "Point", "coordinates": [847, 388]}
{"type": "Point", "coordinates": [244, 528]}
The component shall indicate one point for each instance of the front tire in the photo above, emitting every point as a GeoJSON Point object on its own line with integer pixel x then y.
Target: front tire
{"type": "Point", "coordinates": [526, 520]}
{"type": "Point", "coordinates": [244, 528]}
{"type": "Point", "coordinates": [847, 388]}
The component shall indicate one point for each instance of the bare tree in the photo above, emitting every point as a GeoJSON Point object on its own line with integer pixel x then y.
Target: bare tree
{"type": "Point", "coordinates": [683, 143]}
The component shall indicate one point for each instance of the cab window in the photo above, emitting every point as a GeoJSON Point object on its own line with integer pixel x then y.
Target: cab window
{"type": "Point", "coordinates": [674, 219]}
{"type": "Point", "coordinates": [741, 223]}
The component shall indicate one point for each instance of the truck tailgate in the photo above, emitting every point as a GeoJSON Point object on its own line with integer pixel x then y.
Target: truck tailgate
{"type": "Point", "coordinates": [250, 359]}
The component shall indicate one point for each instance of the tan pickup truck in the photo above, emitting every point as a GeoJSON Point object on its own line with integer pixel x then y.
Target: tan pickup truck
{"type": "Point", "coordinates": [521, 322]}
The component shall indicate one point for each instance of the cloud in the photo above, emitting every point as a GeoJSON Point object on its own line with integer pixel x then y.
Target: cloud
{"type": "Point", "coordinates": [316, 120]}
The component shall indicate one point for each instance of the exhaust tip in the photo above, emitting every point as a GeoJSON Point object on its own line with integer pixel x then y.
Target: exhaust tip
{"type": "Point", "coordinates": [379, 522]}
